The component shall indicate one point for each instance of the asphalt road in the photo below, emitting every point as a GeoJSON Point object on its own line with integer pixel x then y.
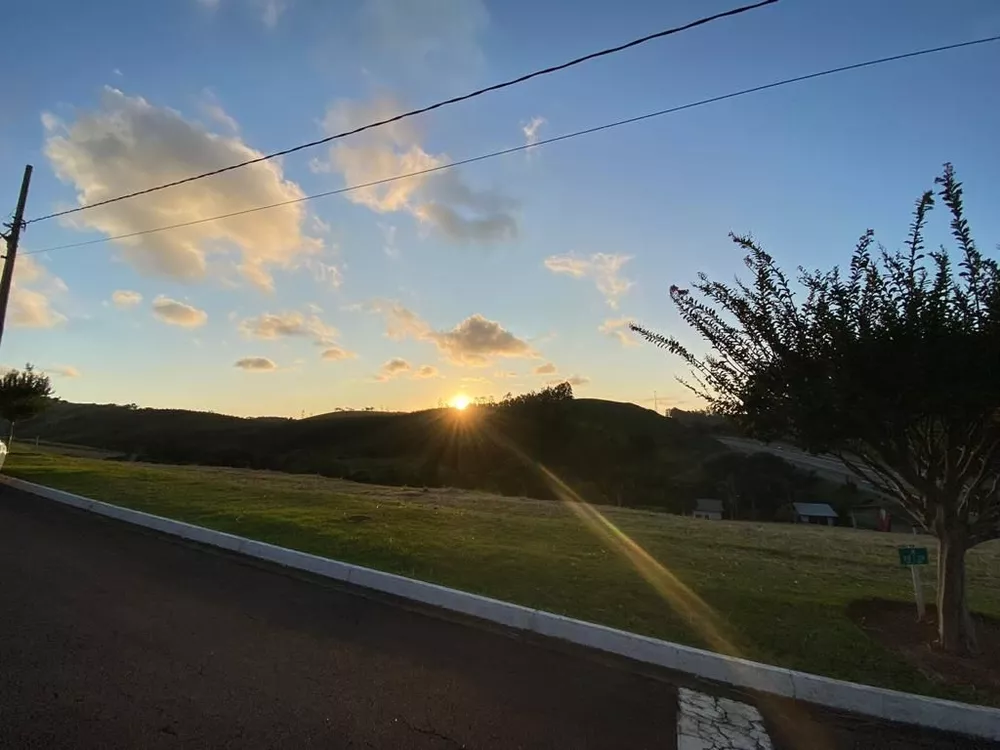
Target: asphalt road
{"type": "Point", "coordinates": [113, 637]}
{"type": "Point", "coordinates": [116, 637]}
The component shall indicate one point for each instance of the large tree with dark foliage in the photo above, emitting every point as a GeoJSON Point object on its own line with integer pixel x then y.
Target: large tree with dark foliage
{"type": "Point", "coordinates": [23, 394]}
{"type": "Point", "coordinates": [893, 365]}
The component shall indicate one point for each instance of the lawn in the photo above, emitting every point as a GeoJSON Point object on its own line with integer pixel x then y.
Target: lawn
{"type": "Point", "coordinates": [782, 590]}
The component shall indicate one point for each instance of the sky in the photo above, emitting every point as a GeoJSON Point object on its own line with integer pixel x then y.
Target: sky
{"type": "Point", "coordinates": [495, 277]}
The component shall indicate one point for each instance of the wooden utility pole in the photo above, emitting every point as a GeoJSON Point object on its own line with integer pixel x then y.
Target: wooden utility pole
{"type": "Point", "coordinates": [12, 238]}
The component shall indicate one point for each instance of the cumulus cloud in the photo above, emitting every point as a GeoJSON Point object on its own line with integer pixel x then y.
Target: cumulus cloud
{"type": "Point", "coordinates": [337, 353]}
{"type": "Point", "coordinates": [125, 298]}
{"type": "Point", "coordinates": [128, 144]}
{"type": "Point", "coordinates": [391, 369]}
{"type": "Point", "coordinates": [291, 324]}
{"type": "Point", "coordinates": [255, 364]}
{"type": "Point", "coordinates": [603, 268]}
{"type": "Point", "coordinates": [547, 369]}
{"type": "Point", "coordinates": [617, 328]}
{"type": "Point", "coordinates": [441, 201]}
{"type": "Point", "coordinates": [531, 129]}
{"type": "Point", "coordinates": [65, 371]}
{"type": "Point", "coordinates": [400, 322]}
{"type": "Point", "coordinates": [178, 313]}
{"type": "Point", "coordinates": [32, 290]}
{"type": "Point", "coordinates": [476, 341]}
{"type": "Point", "coordinates": [426, 371]}
{"type": "Point", "coordinates": [576, 381]}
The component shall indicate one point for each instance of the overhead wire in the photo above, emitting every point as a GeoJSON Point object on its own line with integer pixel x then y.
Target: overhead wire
{"type": "Point", "coordinates": [530, 146]}
{"type": "Point", "coordinates": [414, 112]}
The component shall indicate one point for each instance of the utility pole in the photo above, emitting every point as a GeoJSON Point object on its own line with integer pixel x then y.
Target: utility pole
{"type": "Point", "coordinates": [12, 238]}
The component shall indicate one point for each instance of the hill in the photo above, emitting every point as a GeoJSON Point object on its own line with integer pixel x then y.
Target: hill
{"type": "Point", "coordinates": [609, 452]}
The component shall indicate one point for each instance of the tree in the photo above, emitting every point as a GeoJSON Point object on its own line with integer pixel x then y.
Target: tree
{"type": "Point", "coordinates": [23, 394]}
{"type": "Point", "coordinates": [893, 366]}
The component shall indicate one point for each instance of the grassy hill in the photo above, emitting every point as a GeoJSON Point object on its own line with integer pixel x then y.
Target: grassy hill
{"type": "Point", "coordinates": [781, 593]}
{"type": "Point", "coordinates": [610, 452]}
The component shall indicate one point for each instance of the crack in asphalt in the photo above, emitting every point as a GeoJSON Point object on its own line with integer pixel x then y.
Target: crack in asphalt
{"type": "Point", "coordinates": [431, 732]}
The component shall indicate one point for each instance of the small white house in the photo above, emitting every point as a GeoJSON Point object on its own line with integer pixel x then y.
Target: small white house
{"type": "Point", "coordinates": [708, 509]}
{"type": "Point", "coordinates": [820, 513]}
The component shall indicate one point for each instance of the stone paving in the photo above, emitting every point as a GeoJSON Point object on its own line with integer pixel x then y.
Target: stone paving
{"type": "Point", "coordinates": [707, 723]}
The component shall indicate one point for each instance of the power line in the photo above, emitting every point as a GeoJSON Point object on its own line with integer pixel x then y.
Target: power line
{"type": "Point", "coordinates": [414, 112]}
{"type": "Point", "coordinates": [528, 146]}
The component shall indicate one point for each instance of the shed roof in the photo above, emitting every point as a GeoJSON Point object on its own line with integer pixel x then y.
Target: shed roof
{"type": "Point", "coordinates": [821, 510]}
{"type": "Point", "coordinates": [708, 505]}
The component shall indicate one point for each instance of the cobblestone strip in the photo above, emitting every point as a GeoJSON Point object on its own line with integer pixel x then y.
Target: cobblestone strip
{"type": "Point", "coordinates": [707, 723]}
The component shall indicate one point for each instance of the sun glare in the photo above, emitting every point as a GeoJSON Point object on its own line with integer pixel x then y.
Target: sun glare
{"type": "Point", "coordinates": [460, 401]}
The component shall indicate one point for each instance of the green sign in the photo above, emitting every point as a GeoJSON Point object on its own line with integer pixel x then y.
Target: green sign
{"type": "Point", "coordinates": [913, 556]}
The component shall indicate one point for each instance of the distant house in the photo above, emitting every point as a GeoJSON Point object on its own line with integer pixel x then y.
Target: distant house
{"type": "Point", "coordinates": [709, 509]}
{"type": "Point", "coordinates": [820, 513]}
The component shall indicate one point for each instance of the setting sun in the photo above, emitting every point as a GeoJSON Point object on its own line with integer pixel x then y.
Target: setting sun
{"type": "Point", "coordinates": [460, 401]}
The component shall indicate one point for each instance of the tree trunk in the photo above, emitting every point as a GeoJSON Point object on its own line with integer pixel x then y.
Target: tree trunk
{"type": "Point", "coordinates": [956, 632]}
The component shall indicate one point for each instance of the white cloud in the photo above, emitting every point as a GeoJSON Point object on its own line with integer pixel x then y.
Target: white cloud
{"type": "Point", "coordinates": [442, 201]}
{"type": "Point", "coordinates": [213, 110]}
{"type": "Point", "coordinates": [270, 10]}
{"type": "Point", "coordinates": [178, 313]}
{"type": "Point", "coordinates": [65, 371]}
{"type": "Point", "coordinates": [393, 368]}
{"type": "Point", "coordinates": [400, 322]}
{"type": "Point", "coordinates": [475, 342]}
{"type": "Point", "coordinates": [547, 369]}
{"type": "Point", "coordinates": [531, 129]}
{"type": "Point", "coordinates": [32, 291]}
{"type": "Point", "coordinates": [125, 298]}
{"type": "Point", "coordinates": [291, 324]}
{"type": "Point", "coordinates": [437, 38]}
{"type": "Point", "coordinates": [617, 328]}
{"type": "Point", "coordinates": [337, 353]}
{"type": "Point", "coordinates": [255, 364]}
{"type": "Point", "coordinates": [389, 240]}
{"type": "Point", "coordinates": [128, 144]}
{"type": "Point", "coordinates": [603, 268]}
{"type": "Point", "coordinates": [426, 371]}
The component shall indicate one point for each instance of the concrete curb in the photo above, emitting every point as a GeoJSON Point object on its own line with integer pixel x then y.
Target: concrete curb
{"type": "Point", "coordinates": [891, 705]}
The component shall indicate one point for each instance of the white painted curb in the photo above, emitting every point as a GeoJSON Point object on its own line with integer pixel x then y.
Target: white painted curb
{"type": "Point", "coordinates": [892, 705]}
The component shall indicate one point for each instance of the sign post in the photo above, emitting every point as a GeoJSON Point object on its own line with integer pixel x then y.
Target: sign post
{"type": "Point", "coordinates": [913, 557]}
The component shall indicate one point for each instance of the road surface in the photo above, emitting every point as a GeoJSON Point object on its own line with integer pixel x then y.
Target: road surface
{"type": "Point", "coordinates": [116, 637]}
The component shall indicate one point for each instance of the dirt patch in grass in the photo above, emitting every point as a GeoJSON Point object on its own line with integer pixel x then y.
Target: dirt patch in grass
{"type": "Point", "coordinates": [895, 626]}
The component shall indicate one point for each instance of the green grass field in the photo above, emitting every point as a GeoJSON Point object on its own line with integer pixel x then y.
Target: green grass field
{"type": "Point", "coordinates": [782, 589]}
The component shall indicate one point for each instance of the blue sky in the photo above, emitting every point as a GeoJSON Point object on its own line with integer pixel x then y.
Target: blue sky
{"type": "Point", "coordinates": [473, 279]}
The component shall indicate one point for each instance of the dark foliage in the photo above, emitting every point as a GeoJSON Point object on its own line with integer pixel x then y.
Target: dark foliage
{"type": "Point", "coordinates": [609, 452]}
{"type": "Point", "coordinates": [893, 365]}
{"type": "Point", "coordinates": [23, 394]}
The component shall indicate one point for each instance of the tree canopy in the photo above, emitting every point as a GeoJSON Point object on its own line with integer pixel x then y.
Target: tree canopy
{"type": "Point", "coordinates": [23, 394]}
{"type": "Point", "coordinates": [892, 364]}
